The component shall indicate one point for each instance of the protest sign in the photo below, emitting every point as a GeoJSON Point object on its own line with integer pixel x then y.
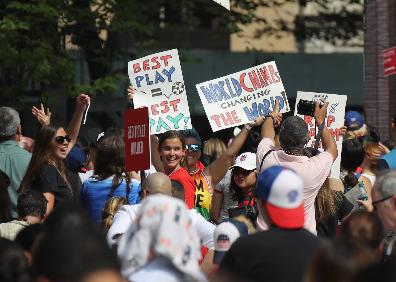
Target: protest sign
{"type": "Point", "coordinates": [334, 122]}
{"type": "Point", "coordinates": [389, 56]}
{"type": "Point", "coordinates": [224, 3]}
{"type": "Point", "coordinates": [159, 85]}
{"type": "Point", "coordinates": [241, 97]}
{"type": "Point", "coordinates": [137, 139]}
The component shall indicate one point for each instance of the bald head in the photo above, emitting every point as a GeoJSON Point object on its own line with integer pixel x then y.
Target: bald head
{"type": "Point", "coordinates": [158, 183]}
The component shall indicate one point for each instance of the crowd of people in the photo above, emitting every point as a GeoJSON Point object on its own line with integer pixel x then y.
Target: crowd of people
{"type": "Point", "coordinates": [206, 211]}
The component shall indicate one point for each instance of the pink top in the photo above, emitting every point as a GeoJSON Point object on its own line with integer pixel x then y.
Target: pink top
{"type": "Point", "coordinates": [313, 171]}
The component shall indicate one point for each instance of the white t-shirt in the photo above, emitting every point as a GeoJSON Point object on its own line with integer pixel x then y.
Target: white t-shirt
{"type": "Point", "coordinates": [160, 269]}
{"type": "Point", "coordinates": [126, 215]}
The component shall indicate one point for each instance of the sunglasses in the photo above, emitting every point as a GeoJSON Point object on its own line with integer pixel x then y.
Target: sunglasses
{"type": "Point", "coordinates": [61, 139]}
{"type": "Point", "coordinates": [193, 147]}
{"type": "Point", "coordinates": [375, 203]}
{"type": "Point", "coordinates": [241, 171]}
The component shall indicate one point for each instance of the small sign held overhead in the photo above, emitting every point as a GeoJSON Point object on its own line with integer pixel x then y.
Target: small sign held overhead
{"type": "Point", "coordinates": [137, 139]}
{"type": "Point", "coordinates": [224, 3]}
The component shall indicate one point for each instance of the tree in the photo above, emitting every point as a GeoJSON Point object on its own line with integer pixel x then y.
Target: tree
{"type": "Point", "coordinates": [31, 56]}
{"type": "Point", "coordinates": [34, 36]}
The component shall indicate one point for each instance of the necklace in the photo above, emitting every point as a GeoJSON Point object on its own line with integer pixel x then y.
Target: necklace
{"type": "Point", "coordinates": [176, 168]}
{"type": "Point", "coordinates": [291, 153]}
{"type": "Point", "coordinates": [193, 172]}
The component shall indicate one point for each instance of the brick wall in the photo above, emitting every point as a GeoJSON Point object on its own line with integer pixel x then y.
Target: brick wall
{"type": "Point", "coordinates": [379, 91]}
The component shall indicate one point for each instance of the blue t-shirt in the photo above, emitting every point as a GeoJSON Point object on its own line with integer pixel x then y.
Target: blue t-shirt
{"type": "Point", "coordinates": [95, 193]}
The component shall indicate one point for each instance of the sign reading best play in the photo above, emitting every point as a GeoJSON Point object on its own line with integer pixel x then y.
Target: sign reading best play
{"type": "Point", "coordinates": [159, 85]}
{"type": "Point", "coordinates": [241, 97]}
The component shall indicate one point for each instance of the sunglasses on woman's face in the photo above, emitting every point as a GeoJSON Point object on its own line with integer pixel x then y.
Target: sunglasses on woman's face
{"type": "Point", "coordinates": [193, 147]}
{"type": "Point", "coordinates": [241, 171]}
{"type": "Point", "coordinates": [61, 139]}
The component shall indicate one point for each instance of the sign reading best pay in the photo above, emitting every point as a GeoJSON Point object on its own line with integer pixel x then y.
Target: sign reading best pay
{"type": "Point", "coordinates": [241, 97]}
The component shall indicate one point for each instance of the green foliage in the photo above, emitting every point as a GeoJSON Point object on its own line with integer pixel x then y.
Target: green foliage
{"type": "Point", "coordinates": [106, 33]}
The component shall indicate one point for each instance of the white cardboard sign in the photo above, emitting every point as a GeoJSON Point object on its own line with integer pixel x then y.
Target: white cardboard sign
{"type": "Point", "coordinates": [159, 84]}
{"type": "Point", "coordinates": [334, 122]}
{"type": "Point", "coordinates": [241, 97]}
{"type": "Point", "coordinates": [224, 3]}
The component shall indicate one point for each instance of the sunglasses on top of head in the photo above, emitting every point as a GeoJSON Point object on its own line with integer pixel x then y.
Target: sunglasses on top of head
{"type": "Point", "coordinates": [193, 147]}
{"type": "Point", "coordinates": [61, 139]}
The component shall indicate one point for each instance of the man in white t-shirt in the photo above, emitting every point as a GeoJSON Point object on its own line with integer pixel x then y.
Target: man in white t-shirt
{"type": "Point", "coordinates": [293, 137]}
{"type": "Point", "coordinates": [159, 183]}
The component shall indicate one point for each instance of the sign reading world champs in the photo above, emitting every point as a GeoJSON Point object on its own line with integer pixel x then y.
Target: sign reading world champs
{"type": "Point", "coordinates": [159, 85]}
{"type": "Point", "coordinates": [241, 97]}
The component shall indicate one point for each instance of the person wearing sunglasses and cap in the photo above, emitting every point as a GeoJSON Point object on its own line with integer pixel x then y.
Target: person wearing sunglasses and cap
{"type": "Point", "coordinates": [207, 178]}
{"type": "Point", "coordinates": [46, 172]}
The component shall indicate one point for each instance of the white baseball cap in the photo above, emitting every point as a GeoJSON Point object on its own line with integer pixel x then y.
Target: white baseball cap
{"type": "Point", "coordinates": [246, 161]}
{"type": "Point", "coordinates": [225, 234]}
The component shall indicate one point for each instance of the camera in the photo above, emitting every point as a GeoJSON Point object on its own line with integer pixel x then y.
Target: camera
{"type": "Point", "coordinates": [306, 108]}
{"type": "Point", "coordinates": [249, 211]}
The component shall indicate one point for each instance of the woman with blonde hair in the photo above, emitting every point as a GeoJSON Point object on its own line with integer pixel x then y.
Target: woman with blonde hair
{"type": "Point", "coordinates": [372, 152]}
{"type": "Point", "coordinates": [112, 205]}
{"type": "Point", "coordinates": [213, 149]}
{"type": "Point", "coordinates": [331, 207]}
{"type": "Point", "coordinates": [222, 197]}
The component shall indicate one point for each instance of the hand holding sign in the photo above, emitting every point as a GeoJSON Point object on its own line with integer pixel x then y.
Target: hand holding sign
{"type": "Point", "coordinates": [131, 93]}
{"type": "Point", "coordinates": [276, 114]}
{"type": "Point", "coordinates": [320, 112]}
{"type": "Point", "coordinates": [331, 112]}
{"type": "Point", "coordinates": [241, 97]}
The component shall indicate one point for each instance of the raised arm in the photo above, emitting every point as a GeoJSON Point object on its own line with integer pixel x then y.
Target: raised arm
{"type": "Point", "coordinates": [328, 143]}
{"type": "Point", "coordinates": [74, 125]}
{"type": "Point", "coordinates": [272, 120]}
{"type": "Point", "coordinates": [219, 167]}
{"type": "Point", "coordinates": [154, 152]}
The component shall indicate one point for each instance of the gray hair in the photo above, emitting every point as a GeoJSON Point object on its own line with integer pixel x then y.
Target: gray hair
{"type": "Point", "coordinates": [9, 122]}
{"type": "Point", "coordinates": [293, 133]}
{"type": "Point", "coordinates": [386, 184]}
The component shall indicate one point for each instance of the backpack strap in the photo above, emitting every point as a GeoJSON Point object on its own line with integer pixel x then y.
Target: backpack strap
{"type": "Point", "coordinates": [262, 160]}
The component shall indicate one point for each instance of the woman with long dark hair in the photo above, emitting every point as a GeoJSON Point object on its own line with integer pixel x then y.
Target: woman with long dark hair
{"type": "Point", "coordinates": [46, 172]}
{"type": "Point", "coordinates": [243, 181]}
{"type": "Point", "coordinates": [110, 178]}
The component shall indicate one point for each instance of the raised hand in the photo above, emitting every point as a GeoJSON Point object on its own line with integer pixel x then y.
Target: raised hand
{"type": "Point", "coordinates": [276, 114]}
{"type": "Point", "coordinates": [43, 117]}
{"type": "Point", "coordinates": [320, 112]}
{"type": "Point", "coordinates": [131, 93]}
{"type": "Point", "coordinates": [83, 100]}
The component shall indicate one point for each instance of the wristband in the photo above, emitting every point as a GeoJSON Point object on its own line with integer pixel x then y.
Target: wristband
{"type": "Point", "coordinates": [248, 127]}
{"type": "Point", "coordinates": [269, 116]}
